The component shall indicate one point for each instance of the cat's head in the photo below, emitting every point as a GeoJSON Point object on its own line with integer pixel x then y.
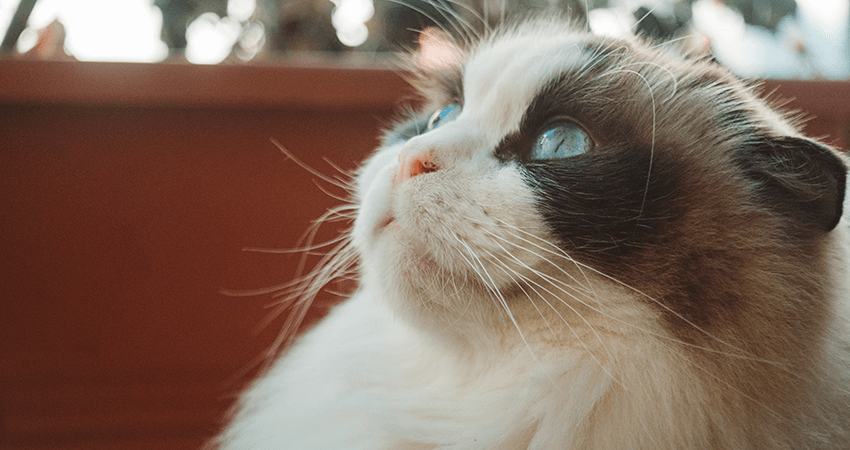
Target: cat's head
{"type": "Point", "coordinates": [552, 173]}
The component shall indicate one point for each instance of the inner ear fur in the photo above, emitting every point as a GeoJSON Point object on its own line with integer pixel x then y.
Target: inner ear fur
{"type": "Point", "coordinates": [800, 178]}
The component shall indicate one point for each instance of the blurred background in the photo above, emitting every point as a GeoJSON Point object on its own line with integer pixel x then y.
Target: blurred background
{"type": "Point", "coordinates": [755, 38]}
{"type": "Point", "coordinates": [146, 216]}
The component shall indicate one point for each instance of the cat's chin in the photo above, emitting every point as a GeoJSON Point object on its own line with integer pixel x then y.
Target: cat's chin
{"type": "Point", "coordinates": [425, 296]}
{"type": "Point", "coordinates": [411, 278]}
{"type": "Point", "coordinates": [403, 258]}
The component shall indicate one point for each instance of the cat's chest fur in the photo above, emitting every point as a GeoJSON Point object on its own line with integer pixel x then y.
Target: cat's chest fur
{"type": "Point", "coordinates": [378, 384]}
{"type": "Point", "coordinates": [579, 243]}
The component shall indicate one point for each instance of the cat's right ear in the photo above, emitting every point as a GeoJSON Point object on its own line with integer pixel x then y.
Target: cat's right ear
{"type": "Point", "coordinates": [799, 177]}
{"type": "Point", "coordinates": [436, 69]}
{"type": "Point", "coordinates": [437, 51]}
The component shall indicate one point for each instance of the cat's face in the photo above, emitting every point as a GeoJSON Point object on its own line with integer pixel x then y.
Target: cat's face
{"type": "Point", "coordinates": [549, 165]}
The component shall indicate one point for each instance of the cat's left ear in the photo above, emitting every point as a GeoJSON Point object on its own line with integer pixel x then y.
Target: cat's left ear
{"type": "Point", "coordinates": [799, 177]}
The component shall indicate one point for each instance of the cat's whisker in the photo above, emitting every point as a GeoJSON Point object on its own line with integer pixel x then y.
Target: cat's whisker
{"type": "Point", "coordinates": [335, 261]}
{"type": "Point", "coordinates": [475, 264]}
{"type": "Point", "coordinates": [551, 279]}
{"type": "Point", "coordinates": [259, 291]}
{"type": "Point", "coordinates": [593, 61]}
{"type": "Point", "coordinates": [471, 34]}
{"type": "Point", "coordinates": [555, 338]}
{"type": "Point", "coordinates": [286, 251]}
{"type": "Point", "coordinates": [559, 252]}
{"type": "Point", "coordinates": [652, 145]}
{"type": "Point", "coordinates": [642, 18]}
{"type": "Point", "coordinates": [580, 287]}
{"type": "Point", "coordinates": [347, 174]}
{"type": "Point", "coordinates": [522, 286]}
{"type": "Point", "coordinates": [300, 283]}
{"type": "Point", "coordinates": [330, 267]}
{"type": "Point", "coordinates": [342, 185]}
{"type": "Point", "coordinates": [745, 355]}
{"type": "Point", "coordinates": [666, 69]}
{"type": "Point", "coordinates": [493, 290]}
{"type": "Point", "coordinates": [438, 280]}
{"type": "Point", "coordinates": [437, 23]}
{"type": "Point", "coordinates": [487, 30]}
{"type": "Point", "coordinates": [531, 283]}
{"type": "Point", "coordinates": [674, 41]}
{"type": "Point", "coordinates": [462, 313]}
{"type": "Point", "coordinates": [310, 235]}
{"type": "Point", "coordinates": [284, 288]}
{"type": "Point", "coordinates": [328, 193]}
{"type": "Point", "coordinates": [300, 298]}
{"type": "Point", "coordinates": [555, 282]}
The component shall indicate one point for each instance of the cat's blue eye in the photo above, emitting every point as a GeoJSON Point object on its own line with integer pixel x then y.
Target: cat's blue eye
{"type": "Point", "coordinates": [444, 115]}
{"type": "Point", "coordinates": [561, 140]}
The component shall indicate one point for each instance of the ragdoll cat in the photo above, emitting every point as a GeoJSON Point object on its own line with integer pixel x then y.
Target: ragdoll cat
{"type": "Point", "coordinates": [578, 243]}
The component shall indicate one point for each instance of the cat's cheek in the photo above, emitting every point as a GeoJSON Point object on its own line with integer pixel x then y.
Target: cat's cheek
{"type": "Point", "coordinates": [375, 192]}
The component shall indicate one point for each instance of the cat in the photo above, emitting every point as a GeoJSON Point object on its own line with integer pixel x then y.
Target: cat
{"type": "Point", "coordinates": [577, 242]}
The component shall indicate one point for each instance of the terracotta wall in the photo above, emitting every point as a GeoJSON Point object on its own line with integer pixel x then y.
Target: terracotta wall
{"type": "Point", "coordinates": [127, 195]}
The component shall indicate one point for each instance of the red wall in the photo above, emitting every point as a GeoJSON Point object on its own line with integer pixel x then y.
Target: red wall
{"type": "Point", "coordinates": [124, 212]}
{"type": "Point", "coordinates": [127, 193]}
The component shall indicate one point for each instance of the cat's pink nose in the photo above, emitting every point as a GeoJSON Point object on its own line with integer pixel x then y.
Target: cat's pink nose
{"type": "Point", "coordinates": [411, 164]}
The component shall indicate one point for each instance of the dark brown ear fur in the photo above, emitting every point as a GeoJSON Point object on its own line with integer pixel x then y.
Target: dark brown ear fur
{"type": "Point", "coordinates": [799, 178]}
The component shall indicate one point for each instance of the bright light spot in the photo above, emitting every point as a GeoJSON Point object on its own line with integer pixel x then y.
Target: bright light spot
{"type": "Point", "coordinates": [718, 21]}
{"type": "Point", "coordinates": [610, 22]}
{"type": "Point", "coordinates": [210, 39]}
{"type": "Point", "coordinates": [353, 37]}
{"type": "Point", "coordinates": [351, 13]}
{"type": "Point", "coordinates": [105, 30]}
{"type": "Point", "coordinates": [829, 15]}
{"type": "Point", "coordinates": [820, 27]}
{"type": "Point", "coordinates": [27, 40]}
{"type": "Point", "coordinates": [241, 10]}
{"type": "Point", "coordinates": [349, 18]}
{"type": "Point", "coordinates": [824, 28]}
{"type": "Point", "coordinates": [251, 41]}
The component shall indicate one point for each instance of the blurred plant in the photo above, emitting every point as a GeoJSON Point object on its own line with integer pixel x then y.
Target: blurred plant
{"type": "Point", "coordinates": [300, 25]}
{"type": "Point", "coordinates": [737, 32]}
{"type": "Point", "coordinates": [763, 13]}
{"type": "Point", "coordinates": [669, 21]}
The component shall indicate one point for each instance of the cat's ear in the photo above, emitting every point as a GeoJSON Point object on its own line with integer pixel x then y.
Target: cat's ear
{"type": "Point", "coordinates": [437, 51]}
{"type": "Point", "coordinates": [800, 178]}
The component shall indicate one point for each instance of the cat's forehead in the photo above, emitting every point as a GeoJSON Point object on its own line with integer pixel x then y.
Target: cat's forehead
{"type": "Point", "coordinates": [503, 76]}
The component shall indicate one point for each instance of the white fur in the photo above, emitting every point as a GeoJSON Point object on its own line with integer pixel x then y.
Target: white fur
{"type": "Point", "coordinates": [498, 93]}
